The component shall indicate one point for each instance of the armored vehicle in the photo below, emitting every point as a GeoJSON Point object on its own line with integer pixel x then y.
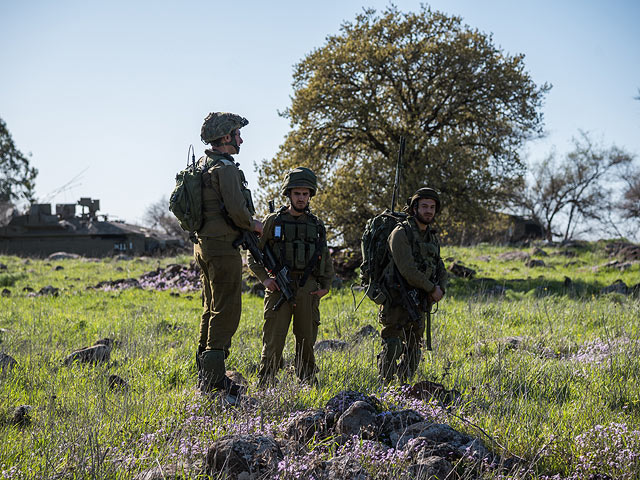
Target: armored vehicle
{"type": "Point", "coordinates": [41, 232]}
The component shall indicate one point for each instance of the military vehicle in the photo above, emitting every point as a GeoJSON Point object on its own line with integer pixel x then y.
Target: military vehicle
{"type": "Point", "coordinates": [40, 233]}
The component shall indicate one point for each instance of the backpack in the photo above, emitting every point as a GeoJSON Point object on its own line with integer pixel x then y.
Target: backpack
{"type": "Point", "coordinates": [186, 199]}
{"type": "Point", "coordinates": [376, 258]}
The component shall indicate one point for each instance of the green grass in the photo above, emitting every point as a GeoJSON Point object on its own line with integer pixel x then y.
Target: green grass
{"type": "Point", "coordinates": [572, 363]}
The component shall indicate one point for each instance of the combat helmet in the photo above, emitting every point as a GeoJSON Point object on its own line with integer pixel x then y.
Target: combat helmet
{"type": "Point", "coordinates": [219, 124]}
{"type": "Point", "coordinates": [300, 177]}
{"type": "Point", "coordinates": [424, 192]}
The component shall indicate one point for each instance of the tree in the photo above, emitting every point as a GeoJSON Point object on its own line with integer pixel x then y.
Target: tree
{"type": "Point", "coordinates": [17, 176]}
{"type": "Point", "coordinates": [463, 104]}
{"type": "Point", "coordinates": [574, 189]}
{"type": "Point", "coordinates": [630, 204]}
{"type": "Point", "coordinates": [158, 216]}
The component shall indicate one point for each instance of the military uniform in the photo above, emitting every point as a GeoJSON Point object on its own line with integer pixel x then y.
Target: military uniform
{"type": "Point", "coordinates": [416, 255]}
{"type": "Point", "coordinates": [294, 241]}
{"type": "Point", "coordinates": [223, 184]}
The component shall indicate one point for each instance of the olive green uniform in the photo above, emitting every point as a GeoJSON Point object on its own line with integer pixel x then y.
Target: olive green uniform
{"type": "Point", "coordinates": [293, 241]}
{"type": "Point", "coordinates": [220, 263]}
{"type": "Point", "coordinates": [416, 254]}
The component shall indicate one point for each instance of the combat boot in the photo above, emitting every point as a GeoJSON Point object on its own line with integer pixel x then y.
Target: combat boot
{"type": "Point", "coordinates": [214, 378]}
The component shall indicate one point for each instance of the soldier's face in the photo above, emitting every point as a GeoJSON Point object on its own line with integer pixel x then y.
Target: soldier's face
{"type": "Point", "coordinates": [300, 198]}
{"type": "Point", "coordinates": [425, 210]}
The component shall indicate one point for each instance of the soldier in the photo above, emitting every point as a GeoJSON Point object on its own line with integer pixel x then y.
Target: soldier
{"type": "Point", "coordinates": [415, 251]}
{"type": "Point", "coordinates": [298, 241]}
{"type": "Point", "coordinates": [227, 207]}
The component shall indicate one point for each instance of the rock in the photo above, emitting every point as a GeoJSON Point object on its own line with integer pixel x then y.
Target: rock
{"type": "Point", "coordinates": [484, 258]}
{"type": "Point", "coordinates": [237, 377]}
{"type": "Point", "coordinates": [614, 264]}
{"type": "Point", "coordinates": [234, 455]}
{"type": "Point", "coordinates": [568, 283]}
{"type": "Point", "coordinates": [459, 270]}
{"type": "Point", "coordinates": [22, 415]}
{"type": "Point", "coordinates": [117, 383]}
{"type": "Point", "coordinates": [62, 256]}
{"type": "Point", "coordinates": [365, 332]}
{"type": "Point", "coordinates": [343, 467]}
{"type": "Point", "coordinates": [6, 292]}
{"type": "Point", "coordinates": [433, 468]}
{"type": "Point", "coordinates": [57, 268]}
{"type": "Point", "coordinates": [420, 449]}
{"type": "Point", "coordinates": [426, 390]}
{"type": "Point", "coordinates": [533, 263]}
{"type": "Point", "coordinates": [359, 419]}
{"type": "Point", "coordinates": [3, 266]}
{"type": "Point", "coordinates": [538, 252]}
{"type": "Point", "coordinates": [27, 289]}
{"type": "Point", "coordinates": [339, 403]}
{"type": "Point", "coordinates": [329, 345]}
{"type": "Point", "coordinates": [394, 423]}
{"type": "Point", "coordinates": [303, 426]}
{"type": "Point", "coordinates": [48, 290]}
{"type": "Point", "coordinates": [516, 255]}
{"type": "Point", "coordinates": [122, 258]}
{"type": "Point", "coordinates": [7, 362]}
{"type": "Point", "coordinates": [616, 287]}
{"type": "Point", "coordinates": [434, 433]}
{"type": "Point", "coordinates": [97, 353]}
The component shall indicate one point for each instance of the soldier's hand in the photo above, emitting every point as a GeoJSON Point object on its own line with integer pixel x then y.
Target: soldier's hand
{"type": "Point", "coordinates": [257, 227]}
{"type": "Point", "coordinates": [437, 294]}
{"type": "Point", "coordinates": [320, 292]}
{"type": "Point", "coordinates": [271, 285]}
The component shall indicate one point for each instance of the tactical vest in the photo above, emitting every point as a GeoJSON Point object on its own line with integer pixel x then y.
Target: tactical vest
{"type": "Point", "coordinates": [425, 248]}
{"type": "Point", "coordinates": [300, 245]}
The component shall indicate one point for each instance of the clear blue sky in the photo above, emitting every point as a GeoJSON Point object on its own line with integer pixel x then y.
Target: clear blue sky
{"type": "Point", "coordinates": [112, 93]}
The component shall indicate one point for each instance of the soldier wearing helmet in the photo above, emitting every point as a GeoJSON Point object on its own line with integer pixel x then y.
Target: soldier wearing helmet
{"type": "Point", "coordinates": [223, 185]}
{"type": "Point", "coordinates": [298, 240]}
{"type": "Point", "coordinates": [415, 252]}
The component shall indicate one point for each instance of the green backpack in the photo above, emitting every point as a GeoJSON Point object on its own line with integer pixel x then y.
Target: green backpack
{"type": "Point", "coordinates": [376, 258]}
{"type": "Point", "coordinates": [186, 199]}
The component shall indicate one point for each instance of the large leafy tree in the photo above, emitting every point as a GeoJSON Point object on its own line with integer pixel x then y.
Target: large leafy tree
{"type": "Point", "coordinates": [17, 176]}
{"type": "Point", "coordinates": [464, 106]}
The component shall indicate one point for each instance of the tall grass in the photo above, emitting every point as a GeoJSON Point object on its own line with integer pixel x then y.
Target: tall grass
{"type": "Point", "coordinates": [542, 369]}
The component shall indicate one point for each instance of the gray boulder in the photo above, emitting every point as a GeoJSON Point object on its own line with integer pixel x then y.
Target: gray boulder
{"type": "Point", "coordinates": [243, 456]}
{"type": "Point", "coordinates": [434, 433]}
{"type": "Point", "coordinates": [97, 353]}
{"type": "Point", "coordinates": [339, 403]}
{"type": "Point", "coordinates": [616, 287]}
{"type": "Point", "coordinates": [432, 468]}
{"type": "Point", "coordinates": [330, 345]}
{"type": "Point", "coordinates": [515, 255]}
{"type": "Point", "coordinates": [304, 425]}
{"type": "Point", "coordinates": [359, 419]}
{"type": "Point", "coordinates": [7, 362]}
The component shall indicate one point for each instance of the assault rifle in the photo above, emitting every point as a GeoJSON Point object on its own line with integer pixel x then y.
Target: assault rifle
{"type": "Point", "coordinates": [412, 303]}
{"type": "Point", "coordinates": [409, 298]}
{"type": "Point", "coordinates": [249, 241]}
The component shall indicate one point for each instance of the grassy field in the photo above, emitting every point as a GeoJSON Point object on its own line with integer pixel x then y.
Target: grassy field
{"type": "Point", "coordinates": [548, 367]}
